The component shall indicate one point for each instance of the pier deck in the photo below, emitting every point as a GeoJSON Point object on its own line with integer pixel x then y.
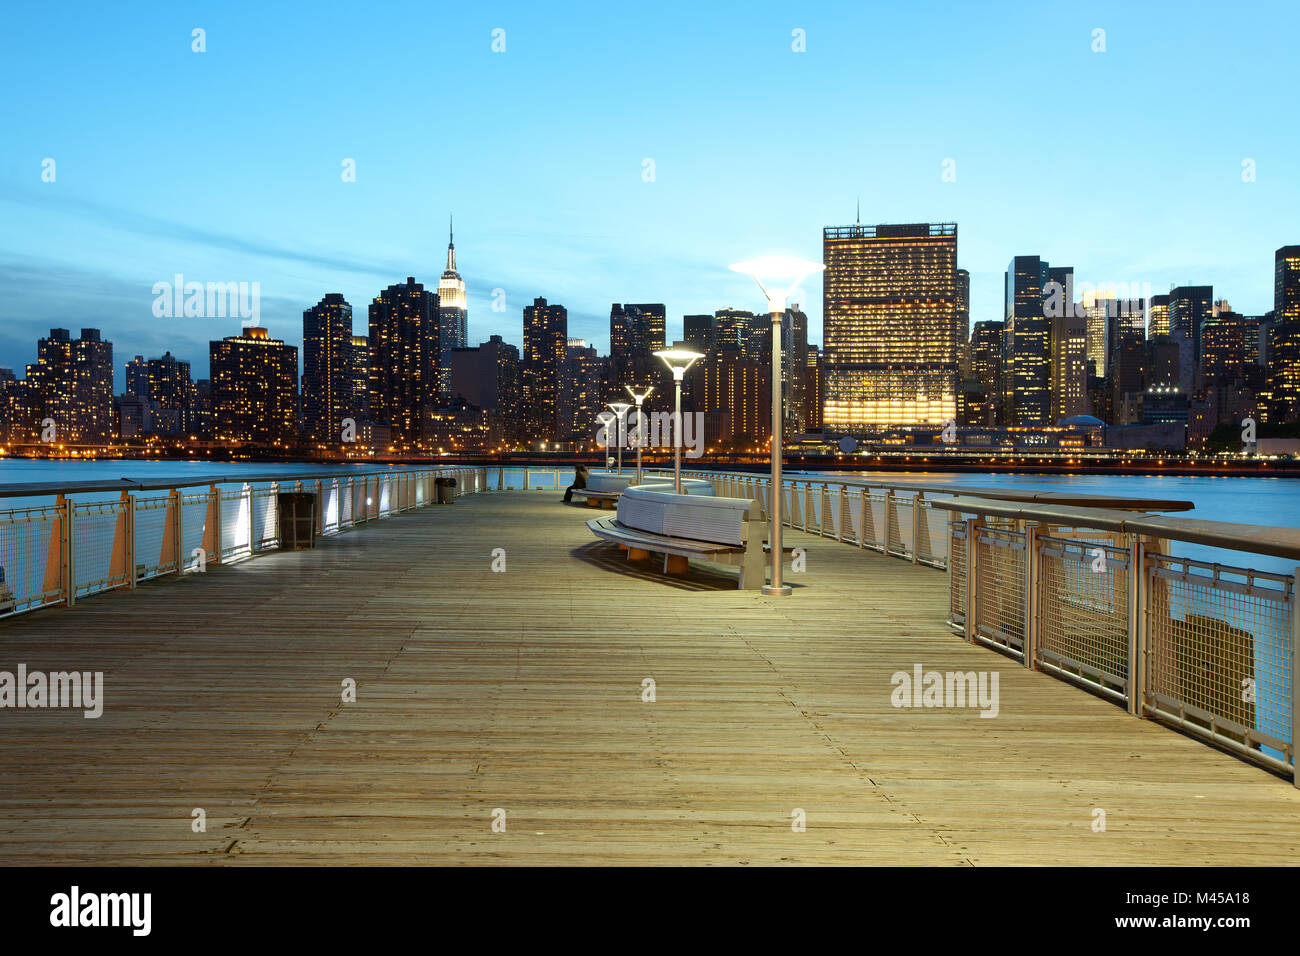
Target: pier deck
{"type": "Point", "coordinates": [522, 691]}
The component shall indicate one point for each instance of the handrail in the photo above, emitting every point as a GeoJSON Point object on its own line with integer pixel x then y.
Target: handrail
{"type": "Point", "coordinates": [1256, 539]}
{"type": "Point", "coordinates": [33, 489]}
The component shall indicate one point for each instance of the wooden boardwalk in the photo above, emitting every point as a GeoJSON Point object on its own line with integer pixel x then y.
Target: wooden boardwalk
{"type": "Point", "coordinates": [522, 691]}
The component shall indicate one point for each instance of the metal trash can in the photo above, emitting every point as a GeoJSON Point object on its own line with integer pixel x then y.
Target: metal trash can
{"type": "Point", "coordinates": [446, 490]}
{"type": "Point", "coordinates": [297, 511]}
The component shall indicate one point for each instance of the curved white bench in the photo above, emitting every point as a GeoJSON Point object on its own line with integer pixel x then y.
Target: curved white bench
{"type": "Point", "coordinates": [654, 519]}
{"type": "Point", "coordinates": [604, 487]}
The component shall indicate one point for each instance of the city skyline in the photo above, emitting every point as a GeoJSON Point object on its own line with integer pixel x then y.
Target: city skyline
{"type": "Point", "coordinates": [248, 185]}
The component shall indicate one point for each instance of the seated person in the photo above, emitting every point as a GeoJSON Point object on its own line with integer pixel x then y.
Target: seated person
{"type": "Point", "coordinates": [579, 481]}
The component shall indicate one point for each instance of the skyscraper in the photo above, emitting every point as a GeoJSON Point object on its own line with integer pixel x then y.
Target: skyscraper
{"type": "Point", "coordinates": [794, 368]}
{"type": "Point", "coordinates": [327, 377]}
{"type": "Point", "coordinates": [72, 384]}
{"type": "Point", "coordinates": [488, 377]}
{"type": "Point", "coordinates": [404, 359]}
{"type": "Point", "coordinates": [254, 389]}
{"type": "Point", "coordinates": [963, 307]}
{"type": "Point", "coordinates": [546, 336]}
{"type": "Point", "coordinates": [1026, 342]}
{"type": "Point", "coordinates": [700, 332]}
{"type": "Point", "coordinates": [1189, 307]}
{"type": "Point", "coordinates": [636, 332]}
{"type": "Point", "coordinates": [171, 395]}
{"type": "Point", "coordinates": [359, 375]}
{"type": "Point", "coordinates": [1069, 386]}
{"type": "Point", "coordinates": [727, 383]}
{"type": "Point", "coordinates": [1159, 324]}
{"type": "Point", "coordinates": [579, 394]}
{"type": "Point", "coordinates": [743, 331]}
{"type": "Point", "coordinates": [1281, 399]}
{"type": "Point", "coordinates": [453, 315]}
{"type": "Point", "coordinates": [890, 313]}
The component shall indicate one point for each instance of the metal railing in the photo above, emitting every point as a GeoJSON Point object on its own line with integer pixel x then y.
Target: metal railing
{"type": "Point", "coordinates": [1096, 599]}
{"type": "Point", "coordinates": [59, 553]}
{"type": "Point", "coordinates": [1089, 593]}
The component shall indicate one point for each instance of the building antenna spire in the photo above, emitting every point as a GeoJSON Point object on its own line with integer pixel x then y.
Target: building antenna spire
{"type": "Point", "coordinates": [859, 213]}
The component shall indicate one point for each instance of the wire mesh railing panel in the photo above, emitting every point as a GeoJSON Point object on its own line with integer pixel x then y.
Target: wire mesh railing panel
{"type": "Point", "coordinates": [1084, 610]}
{"type": "Point", "coordinates": [194, 517]}
{"type": "Point", "coordinates": [878, 522]}
{"type": "Point", "coordinates": [1000, 589]}
{"type": "Point", "coordinates": [99, 545]}
{"type": "Point", "coordinates": [957, 573]}
{"type": "Point", "coordinates": [932, 547]}
{"type": "Point", "coordinates": [31, 558]}
{"type": "Point", "coordinates": [855, 507]}
{"type": "Point", "coordinates": [1219, 653]}
{"type": "Point", "coordinates": [151, 519]}
{"type": "Point", "coordinates": [900, 527]}
{"type": "Point", "coordinates": [266, 521]}
{"type": "Point", "coordinates": [236, 524]}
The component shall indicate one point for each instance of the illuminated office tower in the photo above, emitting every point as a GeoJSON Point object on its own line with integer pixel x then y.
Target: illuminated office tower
{"type": "Point", "coordinates": [254, 389]}
{"type": "Point", "coordinates": [794, 368]}
{"type": "Point", "coordinates": [963, 307]}
{"type": "Point", "coordinates": [72, 383]}
{"type": "Point", "coordinates": [1126, 358]}
{"type": "Point", "coordinates": [1027, 341]}
{"type": "Point", "coordinates": [636, 332]}
{"type": "Point", "coordinates": [453, 316]}
{"type": "Point", "coordinates": [404, 360]}
{"type": "Point", "coordinates": [1069, 387]}
{"type": "Point", "coordinates": [744, 331]}
{"type": "Point", "coordinates": [1281, 398]}
{"type": "Point", "coordinates": [327, 369]}
{"type": "Point", "coordinates": [983, 405]}
{"type": "Point", "coordinates": [1159, 324]}
{"type": "Point", "coordinates": [546, 337]}
{"type": "Point", "coordinates": [1189, 307]}
{"type": "Point", "coordinates": [700, 332]}
{"type": "Point", "coordinates": [815, 389]}
{"type": "Point", "coordinates": [1223, 349]}
{"type": "Point", "coordinates": [1097, 308]}
{"type": "Point", "coordinates": [890, 315]}
{"type": "Point", "coordinates": [359, 375]}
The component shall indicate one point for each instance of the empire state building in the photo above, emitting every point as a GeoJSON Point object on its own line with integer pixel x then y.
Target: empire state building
{"type": "Point", "coordinates": [453, 314]}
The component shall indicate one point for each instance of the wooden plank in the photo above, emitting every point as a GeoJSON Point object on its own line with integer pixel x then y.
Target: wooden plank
{"type": "Point", "coordinates": [523, 690]}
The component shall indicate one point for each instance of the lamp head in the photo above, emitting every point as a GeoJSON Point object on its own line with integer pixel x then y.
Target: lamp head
{"type": "Point", "coordinates": [679, 358]}
{"type": "Point", "coordinates": [782, 273]}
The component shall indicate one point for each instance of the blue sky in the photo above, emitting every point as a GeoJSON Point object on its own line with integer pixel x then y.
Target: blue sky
{"type": "Point", "coordinates": [225, 165]}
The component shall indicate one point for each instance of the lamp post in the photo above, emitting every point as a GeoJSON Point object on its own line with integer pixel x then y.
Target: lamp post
{"type": "Point", "coordinates": [620, 409]}
{"type": "Point", "coordinates": [790, 271]}
{"type": "Point", "coordinates": [605, 418]}
{"type": "Point", "coordinates": [640, 424]}
{"type": "Point", "coordinates": [678, 358]}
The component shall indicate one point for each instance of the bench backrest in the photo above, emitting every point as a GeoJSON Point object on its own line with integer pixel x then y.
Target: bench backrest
{"type": "Point", "coordinates": [696, 517]}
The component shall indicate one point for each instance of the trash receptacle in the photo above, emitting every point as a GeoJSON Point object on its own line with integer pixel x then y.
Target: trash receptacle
{"type": "Point", "coordinates": [297, 511]}
{"type": "Point", "coordinates": [446, 490]}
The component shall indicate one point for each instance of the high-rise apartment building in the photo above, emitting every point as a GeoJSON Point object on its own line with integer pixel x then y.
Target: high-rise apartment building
{"type": "Point", "coordinates": [404, 360]}
{"type": "Point", "coordinates": [815, 389]}
{"type": "Point", "coordinates": [742, 331]}
{"type": "Point", "coordinates": [171, 395]}
{"type": "Point", "coordinates": [254, 389]}
{"type": "Point", "coordinates": [727, 382]}
{"type": "Point", "coordinates": [488, 377]}
{"type": "Point", "coordinates": [1069, 384]}
{"type": "Point", "coordinates": [359, 375]}
{"type": "Point", "coordinates": [890, 315]}
{"type": "Point", "coordinates": [546, 338]}
{"type": "Point", "coordinates": [579, 398]}
{"type": "Point", "coordinates": [72, 385]}
{"type": "Point", "coordinates": [328, 388]}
